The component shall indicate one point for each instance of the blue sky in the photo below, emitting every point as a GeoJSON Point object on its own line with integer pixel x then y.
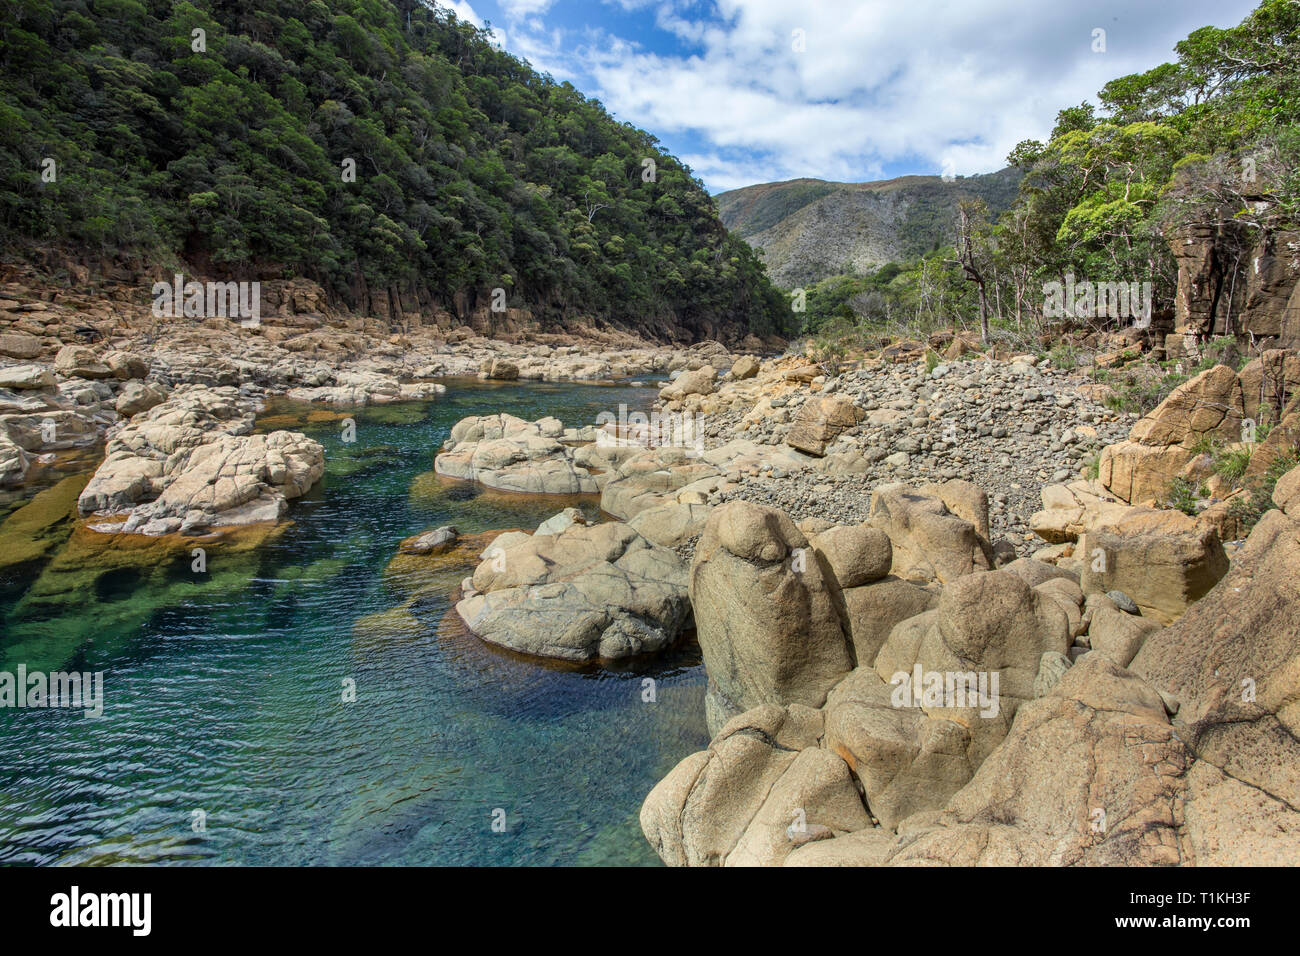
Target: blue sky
{"type": "Point", "coordinates": [749, 91]}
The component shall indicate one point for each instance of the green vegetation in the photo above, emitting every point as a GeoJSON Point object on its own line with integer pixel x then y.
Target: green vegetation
{"type": "Point", "coordinates": [1218, 129]}
{"type": "Point", "coordinates": [1231, 465]}
{"type": "Point", "coordinates": [1250, 507]}
{"type": "Point", "coordinates": [1182, 496]}
{"type": "Point", "coordinates": [472, 171]}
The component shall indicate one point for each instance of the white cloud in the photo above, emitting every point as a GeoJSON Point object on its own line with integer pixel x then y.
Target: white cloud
{"type": "Point", "coordinates": [879, 82]}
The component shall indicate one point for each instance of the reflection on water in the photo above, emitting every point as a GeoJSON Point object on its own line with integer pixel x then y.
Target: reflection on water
{"type": "Point", "coordinates": [225, 690]}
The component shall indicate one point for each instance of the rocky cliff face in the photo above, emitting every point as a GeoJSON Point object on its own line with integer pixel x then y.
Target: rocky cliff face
{"type": "Point", "coordinates": [807, 229]}
{"type": "Point", "coordinates": [1232, 283]}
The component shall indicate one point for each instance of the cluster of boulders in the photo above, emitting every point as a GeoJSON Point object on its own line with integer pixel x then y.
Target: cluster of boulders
{"type": "Point", "coordinates": [884, 693]}
{"type": "Point", "coordinates": [192, 463]}
{"type": "Point", "coordinates": [830, 437]}
{"type": "Point", "coordinates": [1218, 412]}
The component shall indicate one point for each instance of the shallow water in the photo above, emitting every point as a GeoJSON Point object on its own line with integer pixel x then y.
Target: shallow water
{"type": "Point", "coordinates": [224, 690]}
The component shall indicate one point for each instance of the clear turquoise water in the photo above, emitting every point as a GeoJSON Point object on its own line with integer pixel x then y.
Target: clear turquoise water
{"type": "Point", "coordinates": [223, 691]}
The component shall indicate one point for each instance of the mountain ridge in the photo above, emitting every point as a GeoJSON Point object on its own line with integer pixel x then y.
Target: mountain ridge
{"type": "Point", "coordinates": [808, 229]}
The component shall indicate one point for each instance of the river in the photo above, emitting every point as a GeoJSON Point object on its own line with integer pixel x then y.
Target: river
{"type": "Point", "coordinates": [226, 737]}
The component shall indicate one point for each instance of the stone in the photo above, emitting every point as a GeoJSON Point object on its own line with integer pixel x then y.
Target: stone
{"type": "Point", "coordinates": [854, 554]}
{"type": "Point", "coordinates": [598, 592]}
{"type": "Point", "coordinates": [190, 464]}
{"type": "Point", "coordinates": [1118, 635]}
{"type": "Point", "coordinates": [431, 542]}
{"type": "Point", "coordinates": [820, 421]}
{"type": "Point", "coordinates": [1123, 601]}
{"type": "Point", "coordinates": [23, 377]}
{"type": "Point", "coordinates": [77, 361]}
{"type": "Point", "coordinates": [1162, 559]}
{"type": "Point", "coordinates": [1096, 752]}
{"type": "Point", "coordinates": [929, 542]}
{"type": "Point", "coordinates": [735, 803]}
{"type": "Point", "coordinates": [137, 397]}
{"type": "Point", "coordinates": [765, 616]}
{"type": "Point", "coordinates": [744, 367]}
{"type": "Point", "coordinates": [510, 454]}
{"type": "Point", "coordinates": [20, 346]}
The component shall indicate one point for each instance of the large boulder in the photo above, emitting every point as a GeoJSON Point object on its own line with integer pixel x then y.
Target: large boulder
{"type": "Point", "coordinates": [23, 377]}
{"type": "Point", "coordinates": [190, 464]}
{"type": "Point", "coordinates": [744, 367]}
{"type": "Point", "coordinates": [764, 611]}
{"type": "Point", "coordinates": [697, 382]}
{"type": "Point", "coordinates": [943, 691]}
{"type": "Point", "coordinates": [1231, 662]}
{"type": "Point", "coordinates": [761, 790]}
{"type": "Point", "coordinates": [1161, 558]}
{"type": "Point", "coordinates": [585, 593]}
{"type": "Point", "coordinates": [1090, 774]}
{"type": "Point", "coordinates": [510, 454]}
{"type": "Point", "coordinates": [1071, 509]}
{"type": "Point", "coordinates": [77, 361]}
{"type": "Point", "coordinates": [930, 543]}
{"type": "Point", "coordinates": [820, 421]}
{"type": "Point", "coordinates": [1208, 408]}
{"type": "Point", "coordinates": [137, 397]}
{"type": "Point", "coordinates": [20, 346]}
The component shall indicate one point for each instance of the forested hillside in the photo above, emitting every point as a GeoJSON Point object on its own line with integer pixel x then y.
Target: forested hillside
{"type": "Point", "coordinates": [223, 135]}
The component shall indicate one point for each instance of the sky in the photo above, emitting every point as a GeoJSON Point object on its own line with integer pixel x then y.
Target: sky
{"type": "Point", "coordinates": [753, 91]}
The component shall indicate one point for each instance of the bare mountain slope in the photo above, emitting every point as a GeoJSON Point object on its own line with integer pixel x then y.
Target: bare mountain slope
{"type": "Point", "coordinates": [807, 229]}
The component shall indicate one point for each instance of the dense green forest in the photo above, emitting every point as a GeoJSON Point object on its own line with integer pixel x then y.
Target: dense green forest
{"type": "Point", "coordinates": [1212, 137]}
{"type": "Point", "coordinates": [222, 133]}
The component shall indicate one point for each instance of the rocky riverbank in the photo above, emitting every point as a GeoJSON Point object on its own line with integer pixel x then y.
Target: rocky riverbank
{"type": "Point", "coordinates": [859, 547]}
{"type": "Point", "coordinates": [170, 401]}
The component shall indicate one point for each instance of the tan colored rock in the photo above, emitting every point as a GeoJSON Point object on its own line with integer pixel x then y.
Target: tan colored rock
{"type": "Point", "coordinates": [1090, 774]}
{"type": "Point", "coordinates": [964, 499]}
{"type": "Point", "coordinates": [929, 542]}
{"type": "Point", "coordinates": [672, 524]}
{"type": "Point", "coordinates": [587, 592]}
{"type": "Point", "coordinates": [744, 367]}
{"type": "Point", "coordinates": [700, 813]}
{"type": "Point", "coordinates": [1286, 493]}
{"type": "Point", "coordinates": [138, 397]}
{"type": "Point", "coordinates": [1118, 635]}
{"type": "Point", "coordinates": [1162, 559]}
{"type": "Point", "coordinates": [867, 847]}
{"type": "Point", "coordinates": [24, 377]}
{"type": "Point", "coordinates": [697, 382]}
{"type": "Point", "coordinates": [1232, 663]}
{"type": "Point", "coordinates": [764, 613]}
{"type": "Point", "coordinates": [854, 554]}
{"type": "Point", "coordinates": [1209, 405]}
{"type": "Point", "coordinates": [871, 611]}
{"type": "Point", "coordinates": [1135, 472]}
{"type": "Point", "coordinates": [20, 346]}
{"type": "Point", "coordinates": [190, 464]}
{"type": "Point", "coordinates": [820, 421]}
{"type": "Point", "coordinates": [77, 361]}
